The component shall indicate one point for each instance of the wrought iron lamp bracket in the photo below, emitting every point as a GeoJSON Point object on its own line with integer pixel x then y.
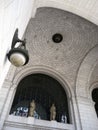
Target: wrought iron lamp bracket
{"type": "Point", "coordinates": [16, 39]}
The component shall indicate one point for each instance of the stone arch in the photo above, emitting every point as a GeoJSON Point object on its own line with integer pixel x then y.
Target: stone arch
{"type": "Point", "coordinates": [85, 72]}
{"type": "Point", "coordinates": [67, 6]}
{"type": "Point", "coordinates": [44, 70]}
{"type": "Point", "coordinates": [26, 71]}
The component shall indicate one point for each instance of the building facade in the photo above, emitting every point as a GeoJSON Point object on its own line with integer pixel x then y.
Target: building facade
{"type": "Point", "coordinates": [63, 73]}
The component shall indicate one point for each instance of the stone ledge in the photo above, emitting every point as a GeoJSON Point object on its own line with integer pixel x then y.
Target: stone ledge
{"type": "Point", "coordinates": [30, 122]}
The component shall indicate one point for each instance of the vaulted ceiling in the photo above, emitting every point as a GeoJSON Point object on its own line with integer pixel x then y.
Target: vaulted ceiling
{"type": "Point", "coordinates": [79, 37]}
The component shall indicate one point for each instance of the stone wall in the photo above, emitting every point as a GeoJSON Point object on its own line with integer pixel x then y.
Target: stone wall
{"type": "Point", "coordinates": [73, 62]}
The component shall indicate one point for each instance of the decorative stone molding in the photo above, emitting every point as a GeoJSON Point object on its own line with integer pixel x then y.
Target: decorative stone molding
{"type": "Point", "coordinates": [85, 71]}
{"type": "Point", "coordinates": [32, 123]}
{"type": "Point", "coordinates": [44, 70]}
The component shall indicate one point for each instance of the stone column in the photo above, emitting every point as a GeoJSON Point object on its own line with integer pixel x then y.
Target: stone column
{"type": "Point", "coordinates": [76, 116]}
{"type": "Point", "coordinates": [6, 97]}
{"type": "Point", "coordinates": [87, 112]}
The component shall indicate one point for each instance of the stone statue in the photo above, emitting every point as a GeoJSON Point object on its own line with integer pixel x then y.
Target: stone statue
{"type": "Point", "coordinates": [52, 112]}
{"type": "Point", "coordinates": [32, 108]}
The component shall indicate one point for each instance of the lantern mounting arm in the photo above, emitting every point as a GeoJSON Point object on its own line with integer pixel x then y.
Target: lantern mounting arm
{"type": "Point", "coordinates": [16, 39]}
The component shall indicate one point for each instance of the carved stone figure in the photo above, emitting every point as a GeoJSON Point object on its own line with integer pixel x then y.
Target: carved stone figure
{"type": "Point", "coordinates": [32, 108]}
{"type": "Point", "coordinates": [52, 112]}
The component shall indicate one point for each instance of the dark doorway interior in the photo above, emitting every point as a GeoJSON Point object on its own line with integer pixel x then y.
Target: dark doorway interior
{"type": "Point", "coordinates": [45, 90]}
{"type": "Point", "coordinates": [95, 99]}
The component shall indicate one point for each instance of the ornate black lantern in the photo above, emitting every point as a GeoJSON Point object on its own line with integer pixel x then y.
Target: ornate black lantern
{"type": "Point", "coordinates": [18, 55]}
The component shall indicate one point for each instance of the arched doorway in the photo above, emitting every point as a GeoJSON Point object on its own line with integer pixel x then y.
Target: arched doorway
{"type": "Point", "coordinates": [45, 90]}
{"type": "Point", "coordinates": [95, 99]}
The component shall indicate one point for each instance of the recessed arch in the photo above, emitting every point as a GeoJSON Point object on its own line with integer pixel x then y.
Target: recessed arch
{"type": "Point", "coordinates": [26, 71]}
{"type": "Point", "coordinates": [85, 72]}
{"type": "Point", "coordinates": [44, 70]}
{"type": "Point", "coordinates": [45, 91]}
